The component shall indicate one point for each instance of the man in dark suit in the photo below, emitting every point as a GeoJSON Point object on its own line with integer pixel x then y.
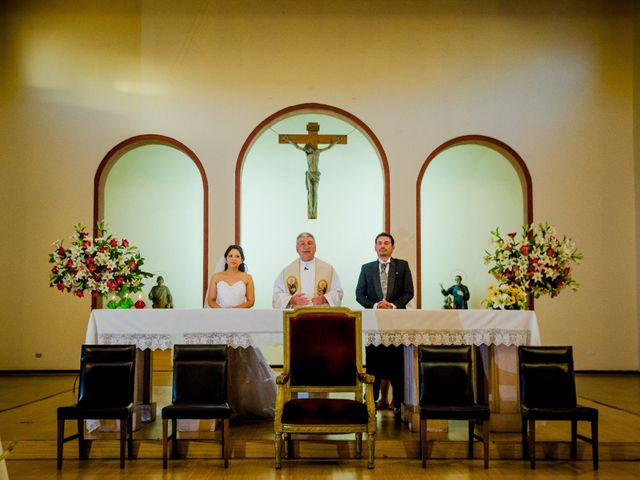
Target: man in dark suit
{"type": "Point", "coordinates": [386, 283]}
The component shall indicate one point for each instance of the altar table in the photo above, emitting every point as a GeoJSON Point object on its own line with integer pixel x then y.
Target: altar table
{"type": "Point", "coordinates": [496, 332]}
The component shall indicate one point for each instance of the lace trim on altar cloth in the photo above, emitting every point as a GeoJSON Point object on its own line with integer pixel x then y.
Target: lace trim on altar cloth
{"type": "Point", "coordinates": [498, 336]}
{"type": "Point", "coordinates": [232, 339]}
{"type": "Point", "coordinates": [142, 340]}
{"type": "Point", "coordinates": [155, 341]}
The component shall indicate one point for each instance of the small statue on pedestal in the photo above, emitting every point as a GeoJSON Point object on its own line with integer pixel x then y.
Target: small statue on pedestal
{"type": "Point", "coordinates": [160, 295]}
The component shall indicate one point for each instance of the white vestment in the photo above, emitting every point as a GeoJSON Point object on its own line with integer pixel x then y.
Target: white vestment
{"type": "Point", "coordinates": [282, 295]}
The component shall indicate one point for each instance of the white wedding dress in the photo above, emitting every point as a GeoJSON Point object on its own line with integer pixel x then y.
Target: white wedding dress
{"type": "Point", "coordinates": [251, 381]}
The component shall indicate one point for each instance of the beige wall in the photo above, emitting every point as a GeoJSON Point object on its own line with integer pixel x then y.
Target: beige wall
{"type": "Point", "coordinates": [556, 83]}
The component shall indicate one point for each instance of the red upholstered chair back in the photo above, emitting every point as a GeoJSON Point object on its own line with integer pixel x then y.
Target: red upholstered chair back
{"type": "Point", "coordinates": [323, 348]}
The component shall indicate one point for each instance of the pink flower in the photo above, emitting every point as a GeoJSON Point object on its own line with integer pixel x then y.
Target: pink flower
{"type": "Point", "coordinates": [133, 265]}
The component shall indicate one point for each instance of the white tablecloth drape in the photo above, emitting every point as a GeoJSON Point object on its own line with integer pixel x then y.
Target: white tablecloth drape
{"type": "Point", "coordinates": [160, 329]}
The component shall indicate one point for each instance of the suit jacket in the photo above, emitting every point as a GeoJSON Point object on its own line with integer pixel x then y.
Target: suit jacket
{"type": "Point", "coordinates": [399, 284]}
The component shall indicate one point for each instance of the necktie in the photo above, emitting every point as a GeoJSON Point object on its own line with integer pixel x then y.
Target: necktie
{"type": "Point", "coordinates": [383, 279]}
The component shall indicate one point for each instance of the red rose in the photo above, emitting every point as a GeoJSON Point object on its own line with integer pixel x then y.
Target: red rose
{"type": "Point", "coordinates": [120, 280]}
{"type": "Point", "coordinates": [125, 243]}
{"type": "Point", "coordinates": [566, 271]}
{"type": "Point", "coordinates": [512, 234]}
{"type": "Point", "coordinates": [86, 244]}
{"type": "Point", "coordinates": [60, 287]}
{"type": "Point", "coordinates": [133, 265]}
{"type": "Point", "coordinates": [69, 263]}
{"type": "Point", "coordinates": [91, 266]}
{"type": "Point", "coordinates": [114, 242]}
{"type": "Point", "coordinates": [54, 269]}
{"type": "Point", "coordinates": [102, 249]}
{"type": "Point", "coordinates": [79, 293]}
{"type": "Point", "coordinates": [112, 285]}
{"type": "Point", "coordinates": [524, 249]}
{"type": "Point", "coordinates": [60, 251]}
{"type": "Point", "coordinates": [551, 252]}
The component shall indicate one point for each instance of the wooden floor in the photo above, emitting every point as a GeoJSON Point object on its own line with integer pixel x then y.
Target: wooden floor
{"type": "Point", "coordinates": [27, 421]}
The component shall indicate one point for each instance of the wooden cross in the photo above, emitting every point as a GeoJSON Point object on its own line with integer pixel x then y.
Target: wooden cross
{"type": "Point", "coordinates": [312, 138]}
{"type": "Point", "coordinates": [312, 152]}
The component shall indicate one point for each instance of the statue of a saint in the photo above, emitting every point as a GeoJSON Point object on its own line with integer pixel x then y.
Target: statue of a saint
{"type": "Point", "coordinates": [312, 151]}
{"type": "Point", "coordinates": [160, 295]}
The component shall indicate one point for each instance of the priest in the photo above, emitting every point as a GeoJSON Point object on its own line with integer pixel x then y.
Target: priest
{"type": "Point", "coordinates": [307, 281]}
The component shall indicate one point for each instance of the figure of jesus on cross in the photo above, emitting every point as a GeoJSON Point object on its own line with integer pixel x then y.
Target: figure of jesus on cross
{"type": "Point", "coordinates": [311, 141]}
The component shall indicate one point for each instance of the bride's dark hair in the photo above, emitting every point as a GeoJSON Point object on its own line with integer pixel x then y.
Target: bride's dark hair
{"type": "Point", "coordinates": [242, 267]}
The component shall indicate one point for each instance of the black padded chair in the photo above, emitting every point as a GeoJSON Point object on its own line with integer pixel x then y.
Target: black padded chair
{"type": "Point", "coordinates": [446, 393]}
{"type": "Point", "coordinates": [105, 393]}
{"type": "Point", "coordinates": [548, 392]}
{"type": "Point", "coordinates": [199, 392]}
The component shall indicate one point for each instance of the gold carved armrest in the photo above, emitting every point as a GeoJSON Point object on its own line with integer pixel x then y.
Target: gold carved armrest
{"type": "Point", "coordinates": [282, 378]}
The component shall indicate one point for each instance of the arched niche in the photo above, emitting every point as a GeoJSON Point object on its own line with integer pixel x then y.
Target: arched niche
{"type": "Point", "coordinates": [467, 187]}
{"type": "Point", "coordinates": [153, 190]}
{"type": "Point", "coordinates": [271, 208]}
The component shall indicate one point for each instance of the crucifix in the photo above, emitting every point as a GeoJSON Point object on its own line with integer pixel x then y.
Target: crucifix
{"type": "Point", "coordinates": [311, 141]}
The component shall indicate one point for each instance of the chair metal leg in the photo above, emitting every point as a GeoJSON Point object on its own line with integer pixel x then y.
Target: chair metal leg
{"type": "Point", "coordinates": [278, 440]}
{"type": "Point", "coordinates": [82, 445]}
{"type": "Point", "coordinates": [174, 438]}
{"type": "Point", "coordinates": [486, 442]}
{"type": "Point", "coordinates": [123, 440]}
{"type": "Point", "coordinates": [358, 445]}
{"type": "Point", "coordinates": [130, 438]}
{"type": "Point", "coordinates": [371, 447]}
{"type": "Point", "coordinates": [165, 441]}
{"type": "Point", "coordinates": [226, 441]}
{"type": "Point", "coordinates": [288, 445]}
{"type": "Point", "coordinates": [423, 442]}
{"type": "Point", "coordinates": [470, 427]}
{"type": "Point", "coordinates": [60, 442]}
{"type": "Point", "coordinates": [594, 444]}
{"type": "Point", "coordinates": [574, 439]}
{"type": "Point", "coordinates": [532, 443]}
{"type": "Point", "coordinates": [524, 434]}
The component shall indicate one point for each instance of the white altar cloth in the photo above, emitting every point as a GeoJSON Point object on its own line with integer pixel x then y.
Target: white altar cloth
{"type": "Point", "coordinates": [162, 328]}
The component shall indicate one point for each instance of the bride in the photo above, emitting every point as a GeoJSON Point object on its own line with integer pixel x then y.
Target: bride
{"type": "Point", "coordinates": [251, 382]}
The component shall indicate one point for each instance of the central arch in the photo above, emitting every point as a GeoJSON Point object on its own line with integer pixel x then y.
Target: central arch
{"type": "Point", "coordinates": [270, 195]}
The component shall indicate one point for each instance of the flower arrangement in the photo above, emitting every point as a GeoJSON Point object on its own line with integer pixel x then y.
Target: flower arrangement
{"type": "Point", "coordinates": [539, 262]}
{"type": "Point", "coordinates": [104, 266]}
{"type": "Point", "coordinates": [505, 297]}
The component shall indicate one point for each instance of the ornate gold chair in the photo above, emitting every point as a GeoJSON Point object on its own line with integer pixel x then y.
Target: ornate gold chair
{"type": "Point", "coordinates": [323, 354]}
